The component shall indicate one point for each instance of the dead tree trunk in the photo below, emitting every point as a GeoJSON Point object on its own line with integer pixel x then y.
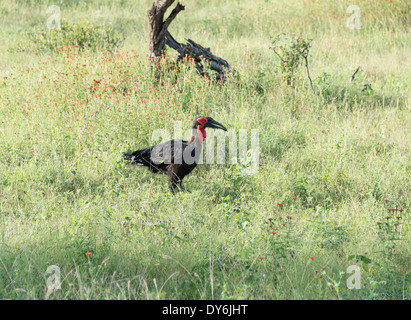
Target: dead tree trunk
{"type": "Point", "coordinates": [159, 37]}
{"type": "Point", "coordinates": [158, 27]}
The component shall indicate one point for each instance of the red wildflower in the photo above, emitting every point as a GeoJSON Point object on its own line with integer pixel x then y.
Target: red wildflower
{"type": "Point", "coordinates": [88, 253]}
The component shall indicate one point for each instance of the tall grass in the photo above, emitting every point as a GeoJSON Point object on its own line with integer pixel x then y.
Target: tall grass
{"type": "Point", "coordinates": [330, 158]}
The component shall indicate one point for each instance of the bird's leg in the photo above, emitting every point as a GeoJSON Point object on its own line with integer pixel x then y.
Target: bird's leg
{"type": "Point", "coordinates": [182, 188]}
{"type": "Point", "coordinates": [173, 186]}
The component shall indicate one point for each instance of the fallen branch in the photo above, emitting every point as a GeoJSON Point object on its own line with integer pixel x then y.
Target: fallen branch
{"type": "Point", "coordinates": [174, 44]}
{"type": "Point", "coordinates": [200, 55]}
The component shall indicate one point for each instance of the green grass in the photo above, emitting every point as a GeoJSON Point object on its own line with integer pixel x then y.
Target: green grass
{"type": "Point", "coordinates": [341, 151]}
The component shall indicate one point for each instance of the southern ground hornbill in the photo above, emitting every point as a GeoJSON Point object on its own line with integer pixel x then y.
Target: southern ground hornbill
{"type": "Point", "coordinates": [175, 158]}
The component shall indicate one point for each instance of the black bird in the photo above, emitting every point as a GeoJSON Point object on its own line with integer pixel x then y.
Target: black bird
{"type": "Point", "coordinates": [175, 158]}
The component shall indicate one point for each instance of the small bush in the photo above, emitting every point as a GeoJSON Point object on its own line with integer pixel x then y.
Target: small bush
{"type": "Point", "coordinates": [292, 51]}
{"type": "Point", "coordinates": [40, 40]}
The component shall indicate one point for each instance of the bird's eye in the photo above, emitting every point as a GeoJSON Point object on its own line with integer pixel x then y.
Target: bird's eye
{"type": "Point", "coordinates": [202, 120]}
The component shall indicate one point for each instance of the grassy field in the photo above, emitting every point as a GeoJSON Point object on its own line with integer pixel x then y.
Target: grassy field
{"type": "Point", "coordinates": [332, 161]}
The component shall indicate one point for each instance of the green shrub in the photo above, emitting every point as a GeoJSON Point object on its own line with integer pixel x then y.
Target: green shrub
{"type": "Point", "coordinates": [92, 37]}
{"type": "Point", "coordinates": [292, 51]}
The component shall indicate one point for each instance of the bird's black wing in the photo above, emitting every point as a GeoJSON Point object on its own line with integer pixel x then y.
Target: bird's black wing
{"type": "Point", "coordinates": [159, 155]}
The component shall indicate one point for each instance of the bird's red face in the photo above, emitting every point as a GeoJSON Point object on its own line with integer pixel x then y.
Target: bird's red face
{"type": "Point", "coordinates": [202, 120]}
{"type": "Point", "coordinates": [202, 134]}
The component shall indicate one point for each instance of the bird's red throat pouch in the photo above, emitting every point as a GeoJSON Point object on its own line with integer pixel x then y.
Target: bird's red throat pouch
{"type": "Point", "coordinates": [201, 133]}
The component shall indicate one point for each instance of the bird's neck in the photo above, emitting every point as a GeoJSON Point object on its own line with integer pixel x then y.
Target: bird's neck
{"type": "Point", "coordinates": [198, 137]}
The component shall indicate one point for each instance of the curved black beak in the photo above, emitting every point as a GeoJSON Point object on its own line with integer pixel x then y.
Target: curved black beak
{"type": "Point", "coordinates": [214, 124]}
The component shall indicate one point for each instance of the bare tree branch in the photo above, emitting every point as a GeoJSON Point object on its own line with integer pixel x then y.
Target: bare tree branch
{"type": "Point", "coordinates": [308, 71]}
{"type": "Point", "coordinates": [353, 75]}
{"type": "Point", "coordinates": [281, 58]}
{"type": "Point", "coordinates": [158, 27]}
{"type": "Point", "coordinates": [170, 18]}
{"type": "Point", "coordinates": [304, 53]}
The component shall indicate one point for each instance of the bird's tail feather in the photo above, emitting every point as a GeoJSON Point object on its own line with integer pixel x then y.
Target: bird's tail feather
{"type": "Point", "coordinates": [133, 157]}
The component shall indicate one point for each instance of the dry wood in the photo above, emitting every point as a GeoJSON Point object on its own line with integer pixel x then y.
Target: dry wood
{"type": "Point", "coordinates": [353, 75]}
{"type": "Point", "coordinates": [159, 37]}
{"type": "Point", "coordinates": [200, 54]}
{"type": "Point", "coordinates": [158, 27]}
